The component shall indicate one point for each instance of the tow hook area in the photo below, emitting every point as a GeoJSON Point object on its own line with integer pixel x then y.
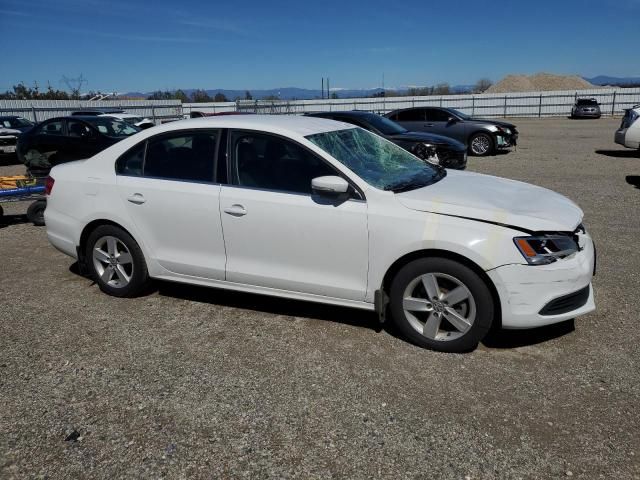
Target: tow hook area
{"type": "Point", "coordinates": [381, 301]}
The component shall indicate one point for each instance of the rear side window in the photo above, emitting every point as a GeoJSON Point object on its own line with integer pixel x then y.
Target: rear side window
{"type": "Point", "coordinates": [412, 115]}
{"type": "Point", "coordinates": [185, 156]}
{"type": "Point", "coordinates": [131, 162]}
{"type": "Point", "coordinates": [52, 128]}
{"type": "Point", "coordinates": [181, 157]}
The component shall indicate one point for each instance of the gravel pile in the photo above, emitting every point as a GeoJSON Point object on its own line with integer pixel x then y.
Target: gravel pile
{"type": "Point", "coordinates": [539, 82]}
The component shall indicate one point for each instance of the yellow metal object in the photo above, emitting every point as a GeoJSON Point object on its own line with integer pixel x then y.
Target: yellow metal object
{"type": "Point", "coordinates": [16, 181]}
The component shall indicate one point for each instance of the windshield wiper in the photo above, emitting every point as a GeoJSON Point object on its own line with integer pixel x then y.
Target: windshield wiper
{"type": "Point", "coordinates": [414, 183]}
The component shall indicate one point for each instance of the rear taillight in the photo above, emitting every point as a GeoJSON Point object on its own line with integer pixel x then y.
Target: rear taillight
{"type": "Point", "coordinates": [48, 185]}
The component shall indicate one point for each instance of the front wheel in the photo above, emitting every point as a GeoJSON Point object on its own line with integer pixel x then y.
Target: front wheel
{"type": "Point", "coordinates": [441, 304]}
{"type": "Point", "coordinates": [481, 145]}
{"type": "Point", "coordinates": [115, 262]}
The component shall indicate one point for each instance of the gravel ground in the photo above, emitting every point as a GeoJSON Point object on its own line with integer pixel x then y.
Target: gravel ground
{"type": "Point", "coordinates": [199, 383]}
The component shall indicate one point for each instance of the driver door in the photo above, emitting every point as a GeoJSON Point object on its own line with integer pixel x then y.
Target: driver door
{"type": "Point", "coordinates": [278, 233]}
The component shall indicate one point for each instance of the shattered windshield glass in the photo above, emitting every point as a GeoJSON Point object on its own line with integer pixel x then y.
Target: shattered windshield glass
{"type": "Point", "coordinates": [379, 162]}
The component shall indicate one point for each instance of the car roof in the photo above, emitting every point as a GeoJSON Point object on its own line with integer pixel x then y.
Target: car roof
{"type": "Point", "coordinates": [348, 113]}
{"type": "Point", "coordinates": [290, 125]}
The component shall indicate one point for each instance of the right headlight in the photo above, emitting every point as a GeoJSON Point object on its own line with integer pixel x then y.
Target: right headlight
{"type": "Point", "coordinates": [545, 249]}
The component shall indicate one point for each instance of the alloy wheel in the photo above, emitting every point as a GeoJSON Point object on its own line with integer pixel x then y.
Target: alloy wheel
{"type": "Point", "coordinates": [480, 145]}
{"type": "Point", "coordinates": [112, 261]}
{"type": "Point", "coordinates": [439, 306]}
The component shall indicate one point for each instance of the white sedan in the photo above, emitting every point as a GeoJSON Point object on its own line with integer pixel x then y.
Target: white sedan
{"type": "Point", "coordinates": [318, 210]}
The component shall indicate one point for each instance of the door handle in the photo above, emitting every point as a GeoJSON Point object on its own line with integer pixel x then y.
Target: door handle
{"type": "Point", "coordinates": [236, 210]}
{"type": "Point", "coordinates": [136, 198]}
{"type": "Point", "coordinates": [428, 124]}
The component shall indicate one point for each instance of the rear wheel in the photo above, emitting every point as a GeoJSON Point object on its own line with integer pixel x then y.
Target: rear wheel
{"type": "Point", "coordinates": [481, 145]}
{"type": "Point", "coordinates": [441, 304]}
{"type": "Point", "coordinates": [115, 262]}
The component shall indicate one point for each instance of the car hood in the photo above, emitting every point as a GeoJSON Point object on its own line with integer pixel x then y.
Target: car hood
{"type": "Point", "coordinates": [495, 200]}
{"type": "Point", "coordinates": [492, 122]}
{"type": "Point", "coordinates": [429, 138]}
{"type": "Point", "coordinates": [9, 131]}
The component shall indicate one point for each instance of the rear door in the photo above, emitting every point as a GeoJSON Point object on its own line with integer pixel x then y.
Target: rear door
{"type": "Point", "coordinates": [167, 185]}
{"type": "Point", "coordinates": [81, 140]}
{"type": "Point", "coordinates": [413, 119]}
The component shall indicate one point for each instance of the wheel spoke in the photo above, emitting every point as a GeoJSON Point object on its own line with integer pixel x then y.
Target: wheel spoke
{"type": "Point", "coordinates": [458, 321]}
{"type": "Point", "coordinates": [100, 255]}
{"type": "Point", "coordinates": [122, 275]}
{"type": "Point", "coordinates": [416, 304]}
{"type": "Point", "coordinates": [456, 296]}
{"type": "Point", "coordinates": [430, 283]}
{"type": "Point", "coordinates": [111, 246]}
{"type": "Point", "coordinates": [124, 258]}
{"type": "Point", "coordinates": [107, 274]}
{"type": "Point", "coordinates": [431, 326]}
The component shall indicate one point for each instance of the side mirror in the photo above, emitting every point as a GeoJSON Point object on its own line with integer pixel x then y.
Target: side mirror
{"type": "Point", "coordinates": [452, 120]}
{"type": "Point", "coordinates": [329, 185]}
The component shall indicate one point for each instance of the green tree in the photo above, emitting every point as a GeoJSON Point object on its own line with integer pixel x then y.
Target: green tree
{"type": "Point", "coordinates": [220, 97]}
{"type": "Point", "coordinates": [247, 95]}
{"type": "Point", "coordinates": [200, 96]}
{"type": "Point", "coordinates": [180, 95]}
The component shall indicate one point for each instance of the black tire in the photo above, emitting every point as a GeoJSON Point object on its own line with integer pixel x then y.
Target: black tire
{"type": "Point", "coordinates": [480, 295]}
{"type": "Point", "coordinates": [139, 275]}
{"type": "Point", "coordinates": [35, 212]}
{"type": "Point", "coordinates": [491, 143]}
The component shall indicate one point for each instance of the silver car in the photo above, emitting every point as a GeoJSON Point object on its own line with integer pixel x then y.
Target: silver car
{"type": "Point", "coordinates": [586, 108]}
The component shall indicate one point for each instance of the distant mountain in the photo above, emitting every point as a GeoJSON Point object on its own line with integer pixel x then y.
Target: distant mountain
{"type": "Point", "coordinates": [607, 80]}
{"type": "Point", "coordinates": [294, 93]}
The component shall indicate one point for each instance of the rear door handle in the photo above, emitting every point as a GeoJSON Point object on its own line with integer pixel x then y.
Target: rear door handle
{"type": "Point", "coordinates": [136, 198]}
{"type": "Point", "coordinates": [236, 210]}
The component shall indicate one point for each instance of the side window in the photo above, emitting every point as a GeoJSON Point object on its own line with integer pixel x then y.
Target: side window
{"type": "Point", "coordinates": [273, 163]}
{"type": "Point", "coordinates": [78, 129]}
{"type": "Point", "coordinates": [131, 162]}
{"type": "Point", "coordinates": [182, 156]}
{"type": "Point", "coordinates": [52, 128]}
{"type": "Point", "coordinates": [394, 117]}
{"type": "Point", "coordinates": [411, 115]}
{"type": "Point", "coordinates": [437, 115]}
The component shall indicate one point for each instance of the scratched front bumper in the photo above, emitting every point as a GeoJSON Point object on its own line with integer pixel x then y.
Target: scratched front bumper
{"type": "Point", "coordinates": [524, 290]}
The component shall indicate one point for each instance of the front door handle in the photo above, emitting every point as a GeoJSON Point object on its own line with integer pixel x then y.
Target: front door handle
{"type": "Point", "coordinates": [236, 210]}
{"type": "Point", "coordinates": [136, 198]}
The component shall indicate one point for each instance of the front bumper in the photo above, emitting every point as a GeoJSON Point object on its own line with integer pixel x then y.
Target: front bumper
{"type": "Point", "coordinates": [526, 290]}
{"type": "Point", "coordinates": [449, 158]}
{"type": "Point", "coordinates": [506, 141]}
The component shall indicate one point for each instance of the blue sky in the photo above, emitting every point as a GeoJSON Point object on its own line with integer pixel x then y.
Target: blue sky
{"type": "Point", "coordinates": [127, 45]}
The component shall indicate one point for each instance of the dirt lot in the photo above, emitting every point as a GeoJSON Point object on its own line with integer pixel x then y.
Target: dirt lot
{"type": "Point", "coordinates": [191, 382]}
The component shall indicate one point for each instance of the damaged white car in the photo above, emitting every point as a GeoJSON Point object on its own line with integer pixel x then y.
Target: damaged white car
{"type": "Point", "coordinates": [319, 210]}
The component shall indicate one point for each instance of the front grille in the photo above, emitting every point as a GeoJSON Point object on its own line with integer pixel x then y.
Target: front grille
{"type": "Point", "coordinates": [567, 303]}
{"type": "Point", "coordinates": [8, 140]}
{"type": "Point", "coordinates": [451, 158]}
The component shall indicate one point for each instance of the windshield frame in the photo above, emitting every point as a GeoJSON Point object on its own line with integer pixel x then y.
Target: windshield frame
{"type": "Point", "coordinates": [458, 113]}
{"type": "Point", "coordinates": [378, 162]}
{"type": "Point", "coordinates": [378, 121]}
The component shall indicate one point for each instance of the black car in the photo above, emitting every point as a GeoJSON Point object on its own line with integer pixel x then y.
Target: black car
{"type": "Point", "coordinates": [483, 136]}
{"type": "Point", "coordinates": [586, 108]}
{"type": "Point", "coordinates": [15, 122]}
{"type": "Point", "coordinates": [64, 139]}
{"type": "Point", "coordinates": [435, 148]}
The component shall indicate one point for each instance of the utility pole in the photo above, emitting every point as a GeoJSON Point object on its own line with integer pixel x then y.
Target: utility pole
{"type": "Point", "coordinates": [322, 89]}
{"type": "Point", "coordinates": [328, 89]}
